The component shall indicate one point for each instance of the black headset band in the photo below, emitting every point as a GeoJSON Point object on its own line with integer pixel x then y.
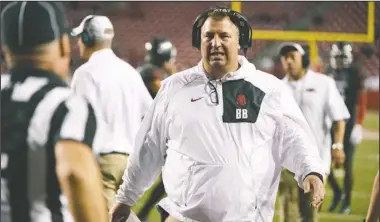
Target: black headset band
{"type": "Point", "coordinates": [235, 17]}
{"type": "Point", "coordinates": [89, 40]}
{"type": "Point", "coordinates": [245, 30]}
{"type": "Point", "coordinates": [86, 24]}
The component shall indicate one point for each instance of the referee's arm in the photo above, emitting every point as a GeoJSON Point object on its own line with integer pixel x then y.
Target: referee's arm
{"type": "Point", "coordinates": [77, 170]}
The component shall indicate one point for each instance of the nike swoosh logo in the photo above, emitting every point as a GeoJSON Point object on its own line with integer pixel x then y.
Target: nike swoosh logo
{"type": "Point", "coordinates": [193, 100]}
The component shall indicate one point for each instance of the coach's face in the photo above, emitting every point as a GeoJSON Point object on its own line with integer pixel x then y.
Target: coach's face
{"type": "Point", "coordinates": [219, 44]}
{"type": "Point", "coordinates": [292, 62]}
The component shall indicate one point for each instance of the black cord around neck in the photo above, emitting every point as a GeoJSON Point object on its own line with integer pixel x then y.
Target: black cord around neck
{"type": "Point", "coordinates": [213, 90]}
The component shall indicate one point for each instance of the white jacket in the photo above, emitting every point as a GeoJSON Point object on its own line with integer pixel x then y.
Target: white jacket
{"type": "Point", "coordinates": [220, 167]}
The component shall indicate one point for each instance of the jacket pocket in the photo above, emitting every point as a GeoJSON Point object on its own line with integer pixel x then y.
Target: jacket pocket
{"type": "Point", "coordinates": [176, 176]}
{"type": "Point", "coordinates": [208, 184]}
{"type": "Point", "coordinates": [202, 178]}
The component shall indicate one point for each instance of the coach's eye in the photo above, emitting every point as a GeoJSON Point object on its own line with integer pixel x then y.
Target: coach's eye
{"type": "Point", "coordinates": [209, 37]}
{"type": "Point", "coordinates": [224, 37]}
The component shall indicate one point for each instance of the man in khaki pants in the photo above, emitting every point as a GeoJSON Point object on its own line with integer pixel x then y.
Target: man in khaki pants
{"type": "Point", "coordinates": [319, 100]}
{"type": "Point", "coordinates": [117, 93]}
{"type": "Point", "coordinates": [289, 204]}
{"type": "Point", "coordinates": [112, 167]}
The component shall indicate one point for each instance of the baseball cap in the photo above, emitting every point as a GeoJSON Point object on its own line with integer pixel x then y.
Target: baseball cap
{"type": "Point", "coordinates": [97, 25]}
{"type": "Point", "coordinates": [25, 25]}
{"type": "Point", "coordinates": [287, 46]}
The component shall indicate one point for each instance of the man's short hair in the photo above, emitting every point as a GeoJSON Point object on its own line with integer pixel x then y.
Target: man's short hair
{"type": "Point", "coordinates": [219, 15]}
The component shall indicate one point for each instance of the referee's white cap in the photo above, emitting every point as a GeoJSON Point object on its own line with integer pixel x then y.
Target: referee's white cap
{"type": "Point", "coordinates": [98, 26]}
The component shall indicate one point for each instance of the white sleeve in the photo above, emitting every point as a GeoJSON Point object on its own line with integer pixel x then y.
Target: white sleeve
{"type": "Point", "coordinates": [147, 158]}
{"type": "Point", "coordinates": [299, 152]}
{"type": "Point", "coordinates": [335, 106]}
{"type": "Point", "coordinates": [5, 80]}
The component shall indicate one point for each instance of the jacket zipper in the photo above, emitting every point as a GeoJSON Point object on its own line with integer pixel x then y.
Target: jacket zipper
{"type": "Point", "coordinates": [188, 182]}
{"type": "Point", "coordinates": [219, 91]}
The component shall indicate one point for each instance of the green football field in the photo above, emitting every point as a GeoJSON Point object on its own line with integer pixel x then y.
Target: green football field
{"type": "Point", "coordinates": [366, 166]}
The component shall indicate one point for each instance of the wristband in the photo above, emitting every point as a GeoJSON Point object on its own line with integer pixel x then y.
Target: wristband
{"type": "Point", "coordinates": [338, 146]}
{"type": "Point", "coordinates": [316, 174]}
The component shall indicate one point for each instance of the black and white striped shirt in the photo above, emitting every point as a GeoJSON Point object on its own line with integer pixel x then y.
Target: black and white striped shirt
{"type": "Point", "coordinates": [37, 110]}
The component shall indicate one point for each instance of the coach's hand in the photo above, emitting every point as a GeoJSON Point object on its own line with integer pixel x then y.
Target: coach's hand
{"type": "Point", "coordinates": [338, 157]}
{"type": "Point", "coordinates": [315, 185]}
{"type": "Point", "coordinates": [120, 212]}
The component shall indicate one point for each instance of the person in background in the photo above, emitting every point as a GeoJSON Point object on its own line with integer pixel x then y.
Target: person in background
{"type": "Point", "coordinates": [159, 64]}
{"type": "Point", "coordinates": [317, 96]}
{"type": "Point", "coordinates": [117, 93]}
{"type": "Point", "coordinates": [349, 78]}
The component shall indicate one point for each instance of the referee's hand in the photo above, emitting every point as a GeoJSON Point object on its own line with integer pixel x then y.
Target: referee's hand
{"type": "Point", "coordinates": [315, 185]}
{"type": "Point", "coordinates": [120, 212]}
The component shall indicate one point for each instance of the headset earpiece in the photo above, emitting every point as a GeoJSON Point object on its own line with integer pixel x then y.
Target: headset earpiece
{"type": "Point", "coordinates": [197, 26]}
{"type": "Point", "coordinates": [306, 57]}
{"type": "Point", "coordinates": [87, 38]}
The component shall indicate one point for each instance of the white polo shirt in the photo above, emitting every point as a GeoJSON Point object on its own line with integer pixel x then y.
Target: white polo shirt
{"type": "Point", "coordinates": [318, 98]}
{"type": "Point", "coordinates": [118, 95]}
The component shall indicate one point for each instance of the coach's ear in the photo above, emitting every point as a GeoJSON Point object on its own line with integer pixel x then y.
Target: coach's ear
{"type": "Point", "coordinates": [64, 46]}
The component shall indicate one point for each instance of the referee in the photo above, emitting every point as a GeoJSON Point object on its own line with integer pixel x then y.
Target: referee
{"type": "Point", "coordinates": [48, 172]}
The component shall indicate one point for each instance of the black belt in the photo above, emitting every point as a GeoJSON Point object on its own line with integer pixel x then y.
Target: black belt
{"type": "Point", "coordinates": [113, 152]}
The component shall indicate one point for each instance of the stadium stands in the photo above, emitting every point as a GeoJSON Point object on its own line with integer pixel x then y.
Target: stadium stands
{"type": "Point", "coordinates": [349, 17]}
{"type": "Point", "coordinates": [175, 20]}
{"type": "Point", "coordinates": [180, 18]}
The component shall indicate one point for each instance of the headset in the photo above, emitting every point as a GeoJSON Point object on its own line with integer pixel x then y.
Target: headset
{"type": "Point", "coordinates": [245, 30]}
{"type": "Point", "coordinates": [87, 37]}
{"type": "Point", "coordinates": [306, 57]}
